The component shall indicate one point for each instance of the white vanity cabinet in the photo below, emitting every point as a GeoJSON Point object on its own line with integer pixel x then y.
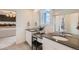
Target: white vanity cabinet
{"type": "Point", "coordinates": [29, 37]}
{"type": "Point", "coordinates": [52, 45]}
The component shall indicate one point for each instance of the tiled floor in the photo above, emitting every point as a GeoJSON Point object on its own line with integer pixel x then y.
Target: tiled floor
{"type": "Point", "coordinates": [5, 42]}
{"type": "Point", "coordinates": [22, 46]}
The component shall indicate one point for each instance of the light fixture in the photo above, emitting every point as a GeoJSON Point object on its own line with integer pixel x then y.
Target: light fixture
{"type": "Point", "coordinates": [7, 15]}
{"type": "Point", "coordinates": [10, 14]}
{"type": "Point", "coordinates": [14, 15]}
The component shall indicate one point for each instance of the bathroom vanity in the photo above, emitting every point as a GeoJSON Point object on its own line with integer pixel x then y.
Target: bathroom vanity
{"type": "Point", "coordinates": [53, 41]}
{"type": "Point", "coordinates": [52, 45]}
{"type": "Point", "coordinates": [33, 34]}
{"type": "Point", "coordinates": [29, 33]}
{"type": "Point", "coordinates": [67, 42]}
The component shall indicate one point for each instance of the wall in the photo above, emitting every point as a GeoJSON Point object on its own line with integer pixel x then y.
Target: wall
{"type": "Point", "coordinates": [35, 19]}
{"type": "Point", "coordinates": [22, 18]}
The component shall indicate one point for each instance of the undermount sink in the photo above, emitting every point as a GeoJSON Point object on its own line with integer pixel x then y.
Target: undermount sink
{"type": "Point", "coordinates": [32, 30]}
{"type": "Point", "coordinates": [60, 38]}
{"type": "Point", "coordinates": [68, 34]}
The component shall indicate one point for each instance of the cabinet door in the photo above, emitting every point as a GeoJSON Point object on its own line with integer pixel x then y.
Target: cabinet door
{"type": "Point", "coordinates": [29, 37]}
{"type": "Point", "coordinates": [59, 46]}
{"type": "Point", "coordinates": [51, 45]}
{"type": "Point", "coordinates": [48, 45]}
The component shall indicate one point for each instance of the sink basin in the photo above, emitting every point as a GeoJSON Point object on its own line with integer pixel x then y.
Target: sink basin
{"type": "Point", "coordinates": [32, 30]}
{"type": "Point", "coordinates": [60, 38]}
{"type": "Point", "coordinates": [68, 34]}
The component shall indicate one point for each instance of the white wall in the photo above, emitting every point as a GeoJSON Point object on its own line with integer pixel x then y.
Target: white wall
{"type": "Point", "coordinates": [22, 17]}
{"type": "Point", "coordinates": [35, 19]}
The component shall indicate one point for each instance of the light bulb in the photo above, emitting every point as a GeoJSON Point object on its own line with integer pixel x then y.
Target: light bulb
{"type": "Point", "coordinates": [14, 15]}
{"type": "Point", "coordinates": [11, 15]}
{"type": "Point", "coordinates": [7, 15]}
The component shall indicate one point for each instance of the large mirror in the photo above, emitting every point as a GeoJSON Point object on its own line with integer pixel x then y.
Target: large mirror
{"type": "Point", "coordinates": [68, 22]}
{"type": "Point", "coordinates": [71, 23]}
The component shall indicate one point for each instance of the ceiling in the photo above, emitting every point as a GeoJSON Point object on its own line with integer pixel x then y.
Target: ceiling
{"type": "Point", "coordinates": [64, 11]}
{"type": "Point", "coordinates": [5, 11]}
{"type": "Point", "coordinates": [54, 11]}
{"type": "Point", "coordinates": [60, 11]}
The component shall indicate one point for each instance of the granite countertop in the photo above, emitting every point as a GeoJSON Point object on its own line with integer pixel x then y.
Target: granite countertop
{"type": "Point", "coordinates": [73, 41]}
{"type": "Point", "coordinates": [32, 30]}
{"type": "Point", "coordinates": [39, 35]}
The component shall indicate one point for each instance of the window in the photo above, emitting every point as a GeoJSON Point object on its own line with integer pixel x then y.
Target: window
{"type": "Point", "coordinates": [45, 17]}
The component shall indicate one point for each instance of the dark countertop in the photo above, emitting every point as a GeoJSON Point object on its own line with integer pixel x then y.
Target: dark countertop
{"type": "Point", "coordinates": [32, 30]}
{"type": "Point", "coordinates": [73, 41]}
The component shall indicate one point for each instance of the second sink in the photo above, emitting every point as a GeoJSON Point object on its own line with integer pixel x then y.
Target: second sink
{"type": "Point", "coordinates": [60, 38]}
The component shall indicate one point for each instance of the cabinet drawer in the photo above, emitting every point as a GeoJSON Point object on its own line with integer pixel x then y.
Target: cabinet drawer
{"type": "Point", "coordinates": [52, 45]}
